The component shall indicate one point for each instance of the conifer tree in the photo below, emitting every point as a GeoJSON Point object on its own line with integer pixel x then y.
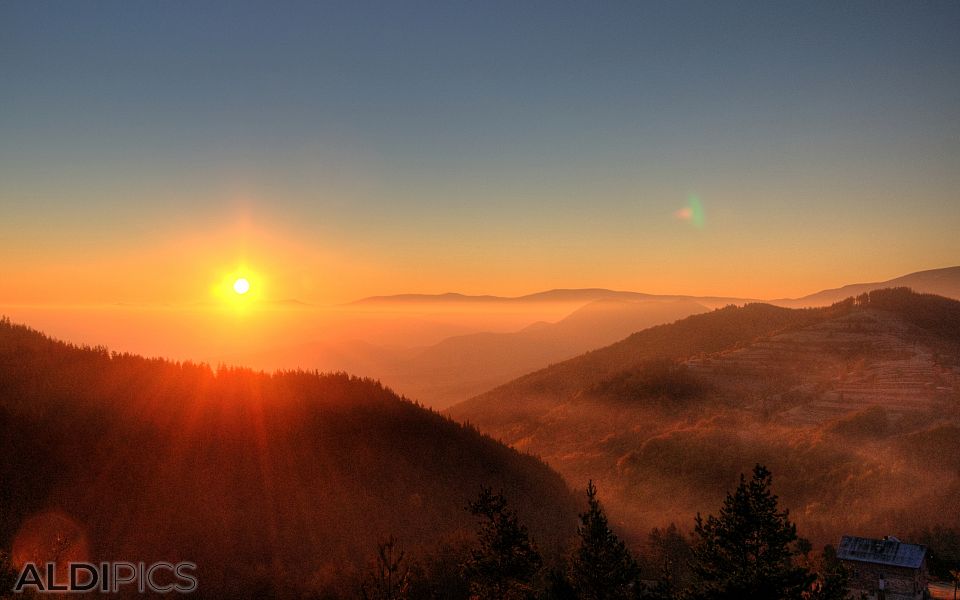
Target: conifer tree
{"type": "Point", "coordinates": [603, 568]}
{"type": "Point", "coordinates": [748, 550]}
{"type": "Point", "coordinates": [505, 563]}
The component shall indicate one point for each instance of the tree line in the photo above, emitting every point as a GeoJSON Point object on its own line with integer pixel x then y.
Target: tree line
{"type": "Point", "coordinates": [749, 549]}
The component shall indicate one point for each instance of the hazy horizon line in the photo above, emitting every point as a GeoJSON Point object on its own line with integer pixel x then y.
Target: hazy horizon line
{"type": "Point", "coordinates": [437, 297]}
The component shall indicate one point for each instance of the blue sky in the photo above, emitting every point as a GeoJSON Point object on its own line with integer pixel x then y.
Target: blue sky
{"type": "Point", "coordinates": [433, 139]}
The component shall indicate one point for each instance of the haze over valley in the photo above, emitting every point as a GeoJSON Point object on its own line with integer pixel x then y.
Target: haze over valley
{"type": "Point", "coordinates": [439, 350]}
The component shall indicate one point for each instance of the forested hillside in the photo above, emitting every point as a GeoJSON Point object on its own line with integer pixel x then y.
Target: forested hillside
{"type": "Point", "coordinates": [269, 482]}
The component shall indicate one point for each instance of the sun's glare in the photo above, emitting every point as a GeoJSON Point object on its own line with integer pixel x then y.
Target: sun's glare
{"type": "Point", "coordinates": [239, 289]}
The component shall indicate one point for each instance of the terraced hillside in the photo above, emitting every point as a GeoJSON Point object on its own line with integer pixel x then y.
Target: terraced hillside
{"type": "Point", "coordinates": [856, 407]}
{"type": "Point", "coordinates": [828, 370]}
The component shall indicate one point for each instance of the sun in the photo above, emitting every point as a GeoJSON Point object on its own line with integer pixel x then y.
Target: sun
{"type": "Point", "coordinates": [239, 289]}
{"type": "Point", "coordinates": [241, 286]}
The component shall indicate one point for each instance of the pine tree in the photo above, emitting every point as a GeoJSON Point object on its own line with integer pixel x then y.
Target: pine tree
{"type": "Point", "coordinates": [603, 568]}
{"type": "Point", "coordinates": [505, 563]}
{"type": "Point", "coordinates": [748, 551]}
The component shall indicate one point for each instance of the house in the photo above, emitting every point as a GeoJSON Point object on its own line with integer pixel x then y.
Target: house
{"type": "Point", "coordinates": [886, 569]}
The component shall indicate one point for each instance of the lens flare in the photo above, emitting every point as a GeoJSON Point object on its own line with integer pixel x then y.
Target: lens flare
{"type": "Point", "coordinates": [53, 537]}
{"type": "Point", "coordinates": [693, 212]}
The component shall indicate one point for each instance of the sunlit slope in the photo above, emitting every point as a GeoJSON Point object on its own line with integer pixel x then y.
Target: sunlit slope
{"type": "Point", "coordinates": [855, 405]}
{"type": "Point", "coordinates": [259, 479]}
{"type": "Point", "coordinates": [705, 333]}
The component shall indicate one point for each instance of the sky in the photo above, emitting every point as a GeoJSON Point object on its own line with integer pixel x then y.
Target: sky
{"type": "Point", "coordinates": [335, 150]}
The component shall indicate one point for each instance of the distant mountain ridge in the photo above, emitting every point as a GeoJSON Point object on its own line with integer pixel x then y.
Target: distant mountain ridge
{"type": "Point", "coordinates": [465, 365]}
{"type": "Point", "coordinates": [942, 282]}
{"type": "Point", "coordinates": [560, 295]}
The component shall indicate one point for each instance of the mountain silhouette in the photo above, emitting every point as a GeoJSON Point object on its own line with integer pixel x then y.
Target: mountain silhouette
{"type": "Point", "coordinates": [462, 366]}
{"type": "Point", "coordinates": [269, 482]}
{"type": "Point", "coordinates": [942, 282]}
{"type": "Point", "coordinates": [579, 296]}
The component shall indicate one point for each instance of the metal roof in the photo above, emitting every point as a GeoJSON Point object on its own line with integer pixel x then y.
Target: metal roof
{"type": "Point", "coordinates": [888, 551]}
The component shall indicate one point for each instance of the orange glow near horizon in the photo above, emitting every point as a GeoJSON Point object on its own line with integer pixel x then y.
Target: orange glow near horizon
{"type": "Point", "coordinates": [184, 268]}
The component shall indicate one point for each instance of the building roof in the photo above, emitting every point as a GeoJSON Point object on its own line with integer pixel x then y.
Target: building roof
{"type": "Point", "coordinates": [888, 551]}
